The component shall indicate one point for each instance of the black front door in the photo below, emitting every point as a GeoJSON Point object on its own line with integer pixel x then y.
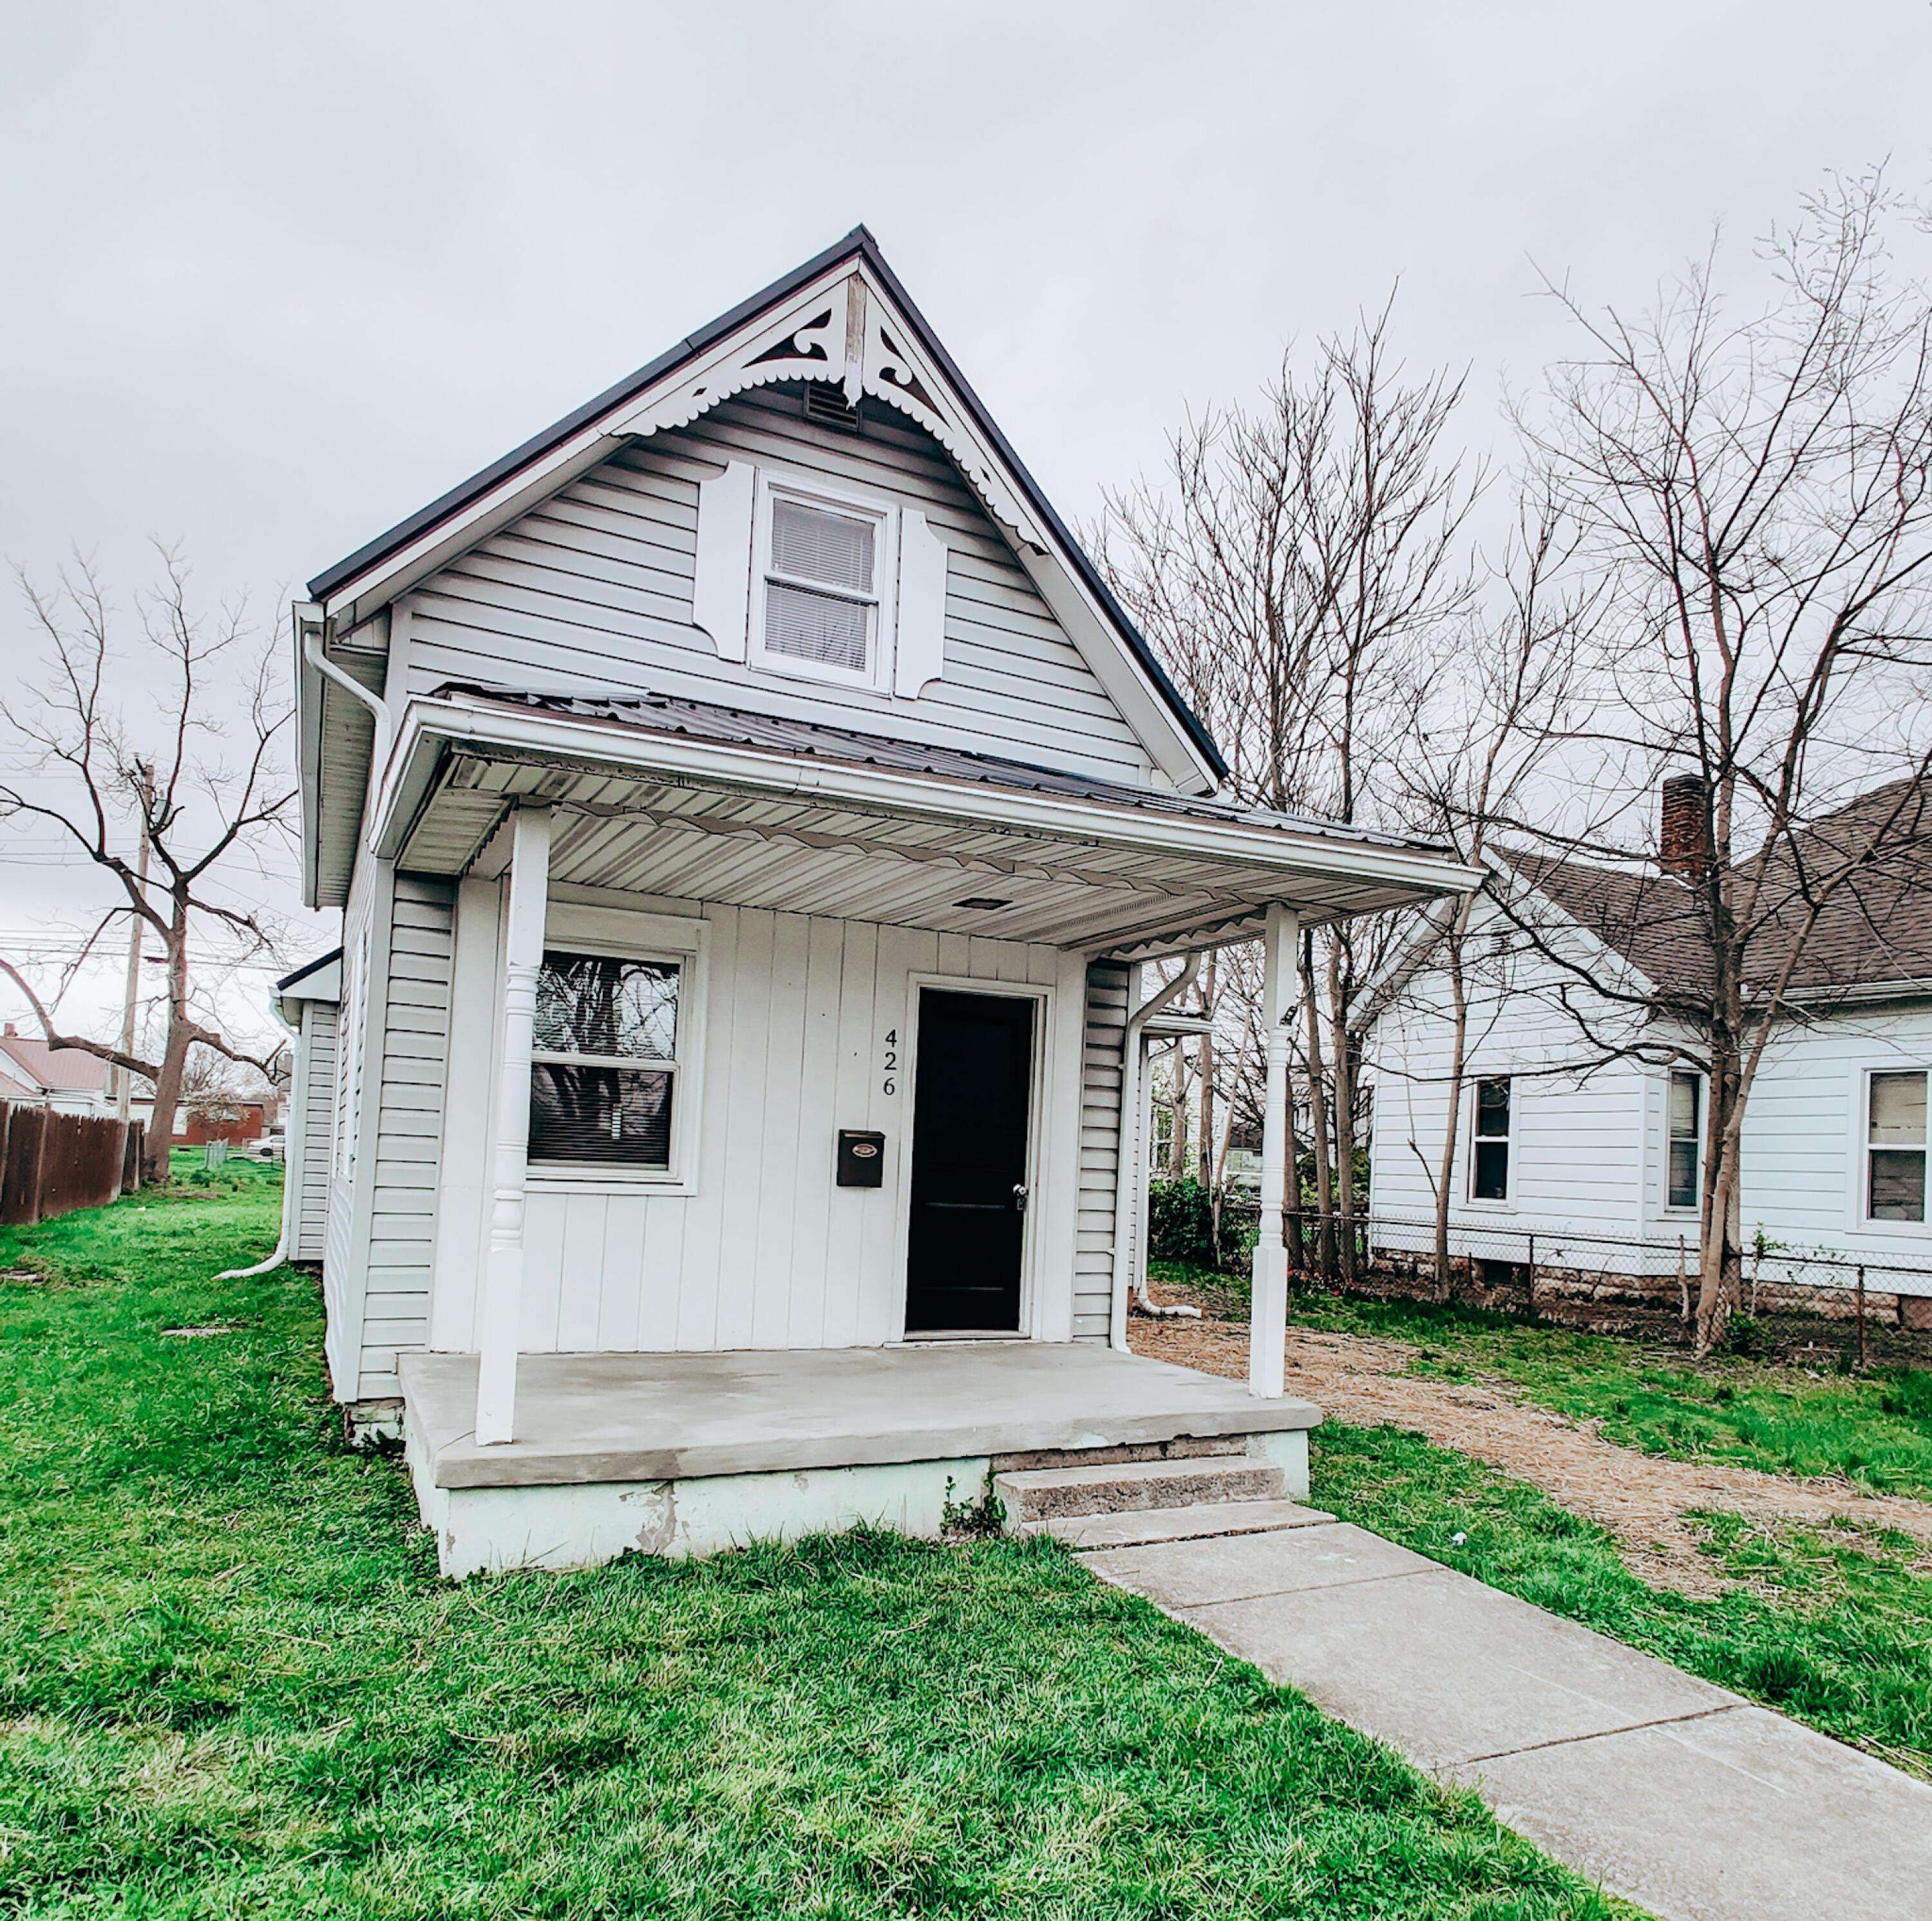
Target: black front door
{"type": "Point", "coordinates": [969, 1162]}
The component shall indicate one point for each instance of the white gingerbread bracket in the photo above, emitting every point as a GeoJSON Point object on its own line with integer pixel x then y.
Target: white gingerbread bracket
{"type": "Point", "coordinates": [844, 333]}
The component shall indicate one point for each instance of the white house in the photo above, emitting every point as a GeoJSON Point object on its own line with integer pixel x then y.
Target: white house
{"type": "Point", "coordinates": [750, 812]}
{"type": "Point", "coordinates": [1602, 1163]}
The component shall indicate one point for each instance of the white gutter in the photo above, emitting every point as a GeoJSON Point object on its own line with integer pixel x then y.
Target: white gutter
{"type": "Point", "coordinates": [312, 625]}
{"type": "Point", "coordinates": [1127, 1163]}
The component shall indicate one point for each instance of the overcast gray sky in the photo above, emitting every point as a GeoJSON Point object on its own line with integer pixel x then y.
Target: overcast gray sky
{"type": "Point", "coordinates": [277, 277]}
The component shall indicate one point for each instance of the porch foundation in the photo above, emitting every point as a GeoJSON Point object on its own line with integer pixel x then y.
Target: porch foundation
{"type": "Point", "coordinates": [689, 1453]}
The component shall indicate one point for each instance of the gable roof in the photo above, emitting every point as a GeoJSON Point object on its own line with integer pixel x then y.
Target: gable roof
{"type": "Point", "coordinates": [55, 1069]}
{"type": "Point", "coordinates": [1874, 933]}
{"type": "Point", "coordinates": [857, 246]}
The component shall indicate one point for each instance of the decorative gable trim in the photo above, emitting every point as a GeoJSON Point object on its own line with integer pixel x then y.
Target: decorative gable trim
{"type": "Point", "coordinates": [841, 333]}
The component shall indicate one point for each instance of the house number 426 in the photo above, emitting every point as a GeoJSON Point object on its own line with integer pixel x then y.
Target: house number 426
{"type": "Point", "coordinates": [891, 1083]}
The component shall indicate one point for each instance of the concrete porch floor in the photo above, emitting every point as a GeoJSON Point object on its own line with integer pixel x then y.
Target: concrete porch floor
{"type": "Point", "coordinates": [584, 1418]}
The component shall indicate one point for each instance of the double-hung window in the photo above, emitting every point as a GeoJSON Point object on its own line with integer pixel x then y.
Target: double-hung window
{"type": "Point", "coordinates": [605, 1062]}
{"type": "Point", "coordinates": [1895, 1146]}
{"type": "Point", "coordinates": [1686, 1141]}
{"type": "Point", "coordinates": [827, 567]}
{"type": "Point", "coordinates": [1490, 1160]}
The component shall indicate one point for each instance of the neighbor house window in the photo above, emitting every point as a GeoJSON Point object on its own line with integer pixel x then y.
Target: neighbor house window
{"type": "Point", "coordinates": [1687, 1137]}
{"type": "Point", "coordinates": [1490, 1168]}
{"type": "Point", "coordinates": [1895, 1147]}
{"type": "Point", "coordinates": [825, 563]}
{"type": "Point", "coordinates": [604, 1061]}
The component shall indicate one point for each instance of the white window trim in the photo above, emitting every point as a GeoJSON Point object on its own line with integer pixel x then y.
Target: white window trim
{"type": "Point", "coordinates": [1507, 1205]}
{"type": "Point", "coordinates": [1678, 1211]}
{"type": "Point", "coordinates": [621, 934]}
{"type": "Point", "coordinates": [812, 490]}
{"type": "Point", "coordinates": [1860, 1221]}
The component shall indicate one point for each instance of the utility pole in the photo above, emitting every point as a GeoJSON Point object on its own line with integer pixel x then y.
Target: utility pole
{"type": "Point", "coordinates": [137, 929]}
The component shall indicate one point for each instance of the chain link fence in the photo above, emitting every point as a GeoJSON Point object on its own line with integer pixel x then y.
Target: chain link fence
{"type": "Point", "coordinates": [1792, 1301]}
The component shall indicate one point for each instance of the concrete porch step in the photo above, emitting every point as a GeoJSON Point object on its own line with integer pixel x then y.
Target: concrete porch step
{"type": "Point", "coordinates": [1184, 1447]}
{"type": "Point", "coordinates": [1047, 1493]}
{"type": "Point", "coordinates": [1150, 1525]}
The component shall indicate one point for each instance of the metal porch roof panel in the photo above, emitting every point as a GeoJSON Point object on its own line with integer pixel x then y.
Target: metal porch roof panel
{"type": "Point", "coordinates": [744, 727]}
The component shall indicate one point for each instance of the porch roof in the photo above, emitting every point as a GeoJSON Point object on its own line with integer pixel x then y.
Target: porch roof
{"type": "Point", "coordinates": [688, 800]}
{"type": "Point", "coordinates": [586, 1417]}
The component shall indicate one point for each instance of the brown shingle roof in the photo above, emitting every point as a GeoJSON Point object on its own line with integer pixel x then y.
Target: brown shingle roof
{"type": "Point", "coordinates": [1873, 932]}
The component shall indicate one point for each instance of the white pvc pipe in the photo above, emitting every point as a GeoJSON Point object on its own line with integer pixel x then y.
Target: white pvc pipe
{"type": "Point", "coordinates": [1127, 1162]}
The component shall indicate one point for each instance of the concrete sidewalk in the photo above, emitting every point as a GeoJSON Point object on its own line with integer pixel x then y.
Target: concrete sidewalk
{"type": "Point", "coordinates": [1683, 1798]}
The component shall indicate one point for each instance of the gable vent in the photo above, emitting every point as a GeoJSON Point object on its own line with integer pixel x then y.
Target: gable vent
{"type": "Point", "coordinates": [827, 405]}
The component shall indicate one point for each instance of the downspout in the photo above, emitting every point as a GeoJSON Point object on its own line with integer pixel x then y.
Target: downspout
{"type": "Point", "coordinates": [311, 623]}
{"type": "Point", "coordinates": [1127, 1178]}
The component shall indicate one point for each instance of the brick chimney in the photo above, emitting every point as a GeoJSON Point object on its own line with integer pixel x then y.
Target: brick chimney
{"type": "Point", "coordinates": [1683, 834]}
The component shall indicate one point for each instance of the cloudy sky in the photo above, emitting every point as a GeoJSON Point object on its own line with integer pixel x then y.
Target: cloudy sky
{"type": "Point", "coordinates": [276, 276]}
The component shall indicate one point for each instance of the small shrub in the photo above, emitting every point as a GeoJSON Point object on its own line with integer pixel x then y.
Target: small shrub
{"type": "Point", "coordinates": [1744, 1333]}
{"type": "Point", "coordinates": [1180, 1222]}
{"type": "Point", "coordinates": [966, 1520]}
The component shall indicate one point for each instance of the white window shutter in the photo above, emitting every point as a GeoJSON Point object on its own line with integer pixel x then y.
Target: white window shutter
{"type": "Point", "coordinates": [721, 594]}
{"type": "Point", "coordinates": [921, 656]}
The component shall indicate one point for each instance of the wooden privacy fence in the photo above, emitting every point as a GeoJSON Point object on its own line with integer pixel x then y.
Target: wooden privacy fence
{"type": "Point", "coordinates": [52, 1163]}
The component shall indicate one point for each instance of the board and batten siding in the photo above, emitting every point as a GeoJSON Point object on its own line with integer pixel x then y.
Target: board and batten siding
{"type": "Point", "coordinates": [314, 1107]}
{"type": "Point", "coordinates": [593, 589]}
{"type": "Point", "coordinates": [806, 1024]}
{"type": "Point", "coordinates": [1102, 1063]}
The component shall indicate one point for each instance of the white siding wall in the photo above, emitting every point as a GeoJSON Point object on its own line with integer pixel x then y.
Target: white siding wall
{"type": "Point", "coordinates": [1803, 1159]}
{"type": "Point", "coordinates": [593, 589]}
{"type": "Point", "coordinates": [767, 1252]}
{"type": "Point", "coordinates": [408, 1102]}
{"type": "Point", "coordinates": [1101, 1064]}
{"type": "Point", "coordinates": [345, 1236]}
{"type": "Point", "coordinates": [1577, 1159]}
{"type": "Point", "coordinates": [312, 1119]}
{"type": "Point", "coordinates": [1589, 1151]}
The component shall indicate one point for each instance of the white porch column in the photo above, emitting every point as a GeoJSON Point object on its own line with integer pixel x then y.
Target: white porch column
{"type": "Point", "coordinates": [502, 1307]}
{"type": "Point", "coordinates": [1267, 1314]}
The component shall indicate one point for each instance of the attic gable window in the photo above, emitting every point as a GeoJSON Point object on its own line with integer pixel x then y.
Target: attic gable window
{"type": "Point", "coordinates": [806, 575]}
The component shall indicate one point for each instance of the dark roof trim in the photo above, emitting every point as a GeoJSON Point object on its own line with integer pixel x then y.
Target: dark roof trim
{"type": "Point", "coordinates": [306, 968]}
{"type": "Point", "coordinates": [858, 243]}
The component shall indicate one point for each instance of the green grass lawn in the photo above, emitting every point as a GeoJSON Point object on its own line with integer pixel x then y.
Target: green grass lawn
{"type": "Point", "coordinates": [230, 1682]}
{"type": "Point", "coordinates": [1874, 1429]}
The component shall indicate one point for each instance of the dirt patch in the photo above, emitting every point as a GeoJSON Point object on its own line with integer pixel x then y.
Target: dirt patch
{"type": "Point", "coordinates": [1645, 1500]}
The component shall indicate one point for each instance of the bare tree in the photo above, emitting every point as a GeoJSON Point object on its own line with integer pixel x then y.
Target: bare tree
{"type": "Point", "coordinates": [1501, 702]}
{"type": "Point", "coordinates": [1293, 566]}
{"type": "Point", "coordinates": [213, 1091]}
{"type": "Point", "coordinates": [208, 692]}
{"type": "Point", "coordinates": [1754, 498]}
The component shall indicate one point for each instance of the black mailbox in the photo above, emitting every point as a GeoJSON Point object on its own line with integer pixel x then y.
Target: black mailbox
{"type": "Point", "coordinates": [862, 1157]}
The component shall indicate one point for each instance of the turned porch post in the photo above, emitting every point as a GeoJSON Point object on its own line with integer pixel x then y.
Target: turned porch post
{"type": "Point", "coordinates": [503, 1266]}
{"type": "Point", "coordinates": [1267, 1315]}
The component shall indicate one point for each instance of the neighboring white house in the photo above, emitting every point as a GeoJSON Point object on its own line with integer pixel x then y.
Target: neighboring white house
{"type": "Point", "coordinates": [1549, 1144]}
{"type": "Point", "coordinates": [750, 813]}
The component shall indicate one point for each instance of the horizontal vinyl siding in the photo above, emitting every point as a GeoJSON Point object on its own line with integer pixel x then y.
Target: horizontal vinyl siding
{"type": "Point", "coordinates": [409, 1129]}
{"type": "Point", "coordinates": [341, 1294]}
{"type": "Point", "coordinates": [1578, 1147]}
{"type": "Point", "coordinates": [316, 1124]}
{"type": "Point", "coordinates": [1103, 1055]}
{"type": "Point", "coordinates": [594, 590]}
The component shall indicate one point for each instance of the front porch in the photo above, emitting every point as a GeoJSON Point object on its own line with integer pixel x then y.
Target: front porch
{"type": "Point", "coordinates": [688, 1453]}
